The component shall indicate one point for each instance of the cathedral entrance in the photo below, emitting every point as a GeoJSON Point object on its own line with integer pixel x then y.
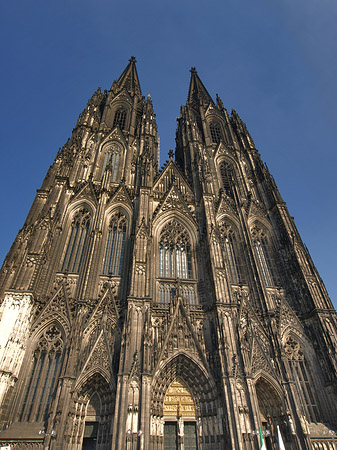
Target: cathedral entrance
{"type": "Point", "coordinates": [271, 411]}
{"type": "Point", "coordinates": [170, 435]}
{"type": "Point", "coordinates": [90, 436]}
{"type": "Point", "coordinates": [91, 424]}
{"type": "Point", "coordinates": [90, 428]}
{"type": "Point", "coordinates": [180, 426]}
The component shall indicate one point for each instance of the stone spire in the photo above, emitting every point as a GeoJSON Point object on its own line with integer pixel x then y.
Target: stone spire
{"type": "Point", "coordinates": [197, 93]}
{"type": "Point", "coordinates": [128, 80]}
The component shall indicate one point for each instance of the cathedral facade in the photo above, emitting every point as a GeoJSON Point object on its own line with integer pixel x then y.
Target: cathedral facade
{"type": "Point", "coordinates": [163, 309]}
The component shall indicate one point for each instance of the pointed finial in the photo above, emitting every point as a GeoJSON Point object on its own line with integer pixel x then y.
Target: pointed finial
{"type": "Point", "coordinates": [170, 154]}
{"type": "Point", "coordinates": [219, 101]}
{"type": "Point", "coordinates": [149, 96]}
{"type": "Point", "coordinates": [132, 59]}
{"type": "Point", "coordinates": [193, 70]}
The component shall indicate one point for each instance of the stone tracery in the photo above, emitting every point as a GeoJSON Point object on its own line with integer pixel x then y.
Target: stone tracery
{"type": "Point", "coordinates": [115, 247]}
{"type": "Point", "coordinates": [76, 241]}
{"type": "Point", "coordinates": [44, 370]}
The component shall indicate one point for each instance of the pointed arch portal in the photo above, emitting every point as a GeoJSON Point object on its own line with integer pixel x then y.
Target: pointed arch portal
{"type": "Point", "coordinates": [179, 417]}
{"type": "Point", "coordinates": [271, 410]}
{"type": "Point", "coordinates": [90, 427]}
{"type": "Point", "coordinates": [91, 422]}
{"type": "Point", "coordinates": [184, 406]}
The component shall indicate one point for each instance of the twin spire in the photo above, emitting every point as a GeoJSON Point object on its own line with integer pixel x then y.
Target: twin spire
{"type": "Point", "coordinates": [129, 80]}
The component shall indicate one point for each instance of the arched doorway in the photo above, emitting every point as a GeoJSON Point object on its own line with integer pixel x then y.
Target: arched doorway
{"type": "Point", "coordinates": [180, 427]}
{"type": "Point", "coordinates": [271, 411]}
{"type": "Point", "coordinates": [206, 422]}
{"type": "Point", "coordinates": [91, 423]}
{"type": "Point", "coordinates": [89, 420]}
{"type": "Point", "coordinates": [98, 414]}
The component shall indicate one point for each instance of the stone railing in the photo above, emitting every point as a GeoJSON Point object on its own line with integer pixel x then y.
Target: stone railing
{"type": "Point", "coordinates": [323, 443]}
{"type": "Point", "coordinates": [26, 444]}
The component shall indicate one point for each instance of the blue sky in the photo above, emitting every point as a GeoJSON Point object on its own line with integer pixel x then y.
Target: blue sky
{"type": "Point", "coordinates": [274, 62]}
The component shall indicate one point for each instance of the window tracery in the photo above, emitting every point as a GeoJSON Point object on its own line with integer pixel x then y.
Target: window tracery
{"type": "Point", "coordinates": [301, 375]}
{"type": "Point", "coordinates": [76, 242]}
{"type": "Point", "coordinates": [175, 259]}
{"type": "Point", "coordinates": [167, 291]}
{"type": "Point", "coordinates": [227, 172]}
{"type": "Point", "coordinates": [231, 253]}
{"type": "Point", "coordinates": [112, 158]}
{"type": "Point", "coordinates": [216, 134]}
{"type": "Point", "coordinates": [331, 333]}
{"type": "Point", "coordinates": [120, 118]}
{"type": "Point", "coordinates": [189, 293]}
{"type": "Point", "coordinates": [262, 253]}
{"type": "Point", "coordinates": [43, 376]}
{"type": "Point", "coordinates": [114, 254]}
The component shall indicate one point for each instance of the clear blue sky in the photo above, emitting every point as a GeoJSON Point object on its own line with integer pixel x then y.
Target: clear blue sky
{"type": "Point", "coordinates": [274, 61]}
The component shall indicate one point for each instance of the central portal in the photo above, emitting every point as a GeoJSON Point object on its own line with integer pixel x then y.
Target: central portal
{"type": "Point", "coordinates": [180, 428]}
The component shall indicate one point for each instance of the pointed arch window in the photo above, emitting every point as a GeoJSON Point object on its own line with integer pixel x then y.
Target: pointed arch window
{"type": "Point", "coordinates": [300, 373]}
{"type": "Point", "coordinates": [231, 253]}
{"type": "Point", "coordinates": [262, 252]}
{"type": "Point", "coordinates": [216, 133]}
{"type": "Point", "coordinates": [227, 172]}
{"type": "Point", "coordinates": [43, 376]}
{"type": "Point", "coordinates": [112, 159]}
{"type": "Point", "coordinates": [332, 334]}
{"type": "Point", "coordinates": [114, 254]}
{"type": "Point", "coordinates": [175, 258]}
{"type": "Point", "coordinates": [76, 242]}
{"type": "Point", "coordinates": [120, 118]}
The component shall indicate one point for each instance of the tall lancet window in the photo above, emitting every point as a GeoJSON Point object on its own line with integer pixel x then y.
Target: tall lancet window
{"type": "Point", "coordinates": [300, 372]}
{"type": "Point", "coordinates": [76, 242]}
{"type": "Point", "coordinates": [227, 173]}
{"type": "Point", "coordinates": [216, 134]}
{"type": "Point", "coordinates": [231, 253]}
{"type": "Point", "coordinates": [42, 379]}
{"type": "Point", "coordinates": [175, 252]}
{"type": "Point", "coordinates": [112, 158]}
{"type": "Point", "coordinates": [262, 252]}
{"type": "Point", "coordinates": [114, 254]}
{"type": "Point", "coordinates": [120, 118]}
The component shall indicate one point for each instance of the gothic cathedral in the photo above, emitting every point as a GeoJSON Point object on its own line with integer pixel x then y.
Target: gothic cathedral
{"type": "Point", "coordinates": [172, 308]}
